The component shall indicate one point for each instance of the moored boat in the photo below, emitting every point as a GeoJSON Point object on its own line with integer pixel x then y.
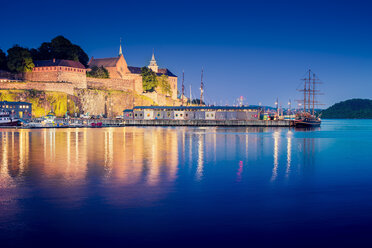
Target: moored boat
{"type": "Point", "coordinates": [7, 120]}
{"type": "Point", "coordinates": [308, 118]}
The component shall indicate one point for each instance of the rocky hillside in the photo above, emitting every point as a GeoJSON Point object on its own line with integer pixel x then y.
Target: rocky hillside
{"type": "Point", "coordinates": [350, 109]}
{"type": "Point", "coordinates": [90, 101]}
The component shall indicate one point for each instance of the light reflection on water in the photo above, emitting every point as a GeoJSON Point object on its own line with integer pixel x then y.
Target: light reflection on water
{"type": "Point", "coordinates": [168, 173]}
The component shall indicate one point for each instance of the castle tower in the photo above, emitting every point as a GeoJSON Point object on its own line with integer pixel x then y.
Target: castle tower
{"type": "Point", "coordinates": [120, 49]}
{"type": "Point", "coordinates": [153, 65]}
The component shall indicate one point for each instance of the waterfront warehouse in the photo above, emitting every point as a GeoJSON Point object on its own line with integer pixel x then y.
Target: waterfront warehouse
{"type": "Point", "coordinates": [192, 113]}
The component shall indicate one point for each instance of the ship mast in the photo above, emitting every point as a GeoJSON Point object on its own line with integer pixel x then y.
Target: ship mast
{"type": "Point", "coordinates": [183, 87]}
{"type": "Point", "coordinates": [310, 91]}
{"type": "Point", "coordinates": [190, 96]}
{"type": "Point", "coordinates": [314, 93]}
{"type": "Point", "coordinates": [201, 88]}
{"type": "Point", "coordinates": [305, 95]}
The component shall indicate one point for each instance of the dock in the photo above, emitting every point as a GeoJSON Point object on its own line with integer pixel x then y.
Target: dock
{"type": "Point", "coordinates": [90, 123]}
{"type": "Point", "coordinates": [205, 123]}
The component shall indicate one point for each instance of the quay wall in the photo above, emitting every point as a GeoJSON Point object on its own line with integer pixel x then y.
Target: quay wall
{"type": "Point", "coordinates": [265, 123]}
{"type": "Point", "coordinates": [200, 123]}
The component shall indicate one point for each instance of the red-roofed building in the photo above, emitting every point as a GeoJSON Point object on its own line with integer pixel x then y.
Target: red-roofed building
{"type": "Point", "coordinates": [119, 69]}
{"type": "Point", "coordinates": [58, 70]}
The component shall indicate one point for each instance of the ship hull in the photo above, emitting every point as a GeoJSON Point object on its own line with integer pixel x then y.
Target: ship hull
{"type": "Point", "coordinates": [13, 123]}
{"type": "Point", "coordinates": [307, 123]}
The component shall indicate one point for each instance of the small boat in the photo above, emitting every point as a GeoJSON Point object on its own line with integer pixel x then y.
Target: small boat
{"type": "Point", "coordinates": [49, 118]}
{"type": "Point", "coordinates": [7, 120]}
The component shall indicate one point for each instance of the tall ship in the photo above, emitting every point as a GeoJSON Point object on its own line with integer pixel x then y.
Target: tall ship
{"type": "Point", "coordinates": [307, 116]}
{"type": "Point", "coordinates": [7, 120]}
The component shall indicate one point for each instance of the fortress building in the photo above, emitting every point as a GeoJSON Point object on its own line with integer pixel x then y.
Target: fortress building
{"type": "Point", "coordinates": [58, 70]}
{"type": "Point", "coordinates": [126, 75]}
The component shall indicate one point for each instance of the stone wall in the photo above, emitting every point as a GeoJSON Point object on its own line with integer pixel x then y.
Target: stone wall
{"type": "Point", "coordinates": [173, 84]}
{"type": "Point", "coordinates": [137, 81]}
{"type": "Point", "coordinates": [67, 88]}
{"type": "Point", "coordinates": [161, 99]}
{"type": "Point", "coordinates": [78, 79]}
{"type": "Point", "coordinates": [110, 84]}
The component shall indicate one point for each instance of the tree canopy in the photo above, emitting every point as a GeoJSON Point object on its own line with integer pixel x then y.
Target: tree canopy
{"type": "Point", "coordinates": [350, 109]}
{"type": "Point", "coordinates": [3, 65]}
{"type": "Point", "coordinates": [149, 79]}
{"type": "Point", "coordinates": [98, 72]}
{"type": "Point", "coordinates": [19, 59]}
{"type": "Point", "coordinates": [60, 48]}
{"type": "Point", "coordinates": [164, 85]}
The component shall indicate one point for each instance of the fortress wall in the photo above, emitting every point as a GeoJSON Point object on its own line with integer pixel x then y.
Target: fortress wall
{"type": "Point", "coordinates": [110, 83]}
{"type": "Point", "coordinates": [67, 88]}
{"type": "Point", "coordinates": [78, 79]}
{"type": "Point", "coordinates": [137, 82]}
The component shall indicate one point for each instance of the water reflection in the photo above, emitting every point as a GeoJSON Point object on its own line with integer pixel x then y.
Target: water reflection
{"type": "Point", "coordinates": [276, 137]}
{"type": "Point", "coordinates": [128, 166]}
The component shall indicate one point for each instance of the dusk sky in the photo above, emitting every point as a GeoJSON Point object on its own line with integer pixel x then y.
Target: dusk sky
{"type": "Point", "coordinates": [255, 49]}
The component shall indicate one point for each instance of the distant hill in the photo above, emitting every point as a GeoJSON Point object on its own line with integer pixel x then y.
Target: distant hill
{"type": "Point", "coordinates": [350, 109]}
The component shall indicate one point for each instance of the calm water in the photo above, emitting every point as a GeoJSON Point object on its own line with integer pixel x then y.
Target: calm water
{"type": "Point", "coordinates": [187, 187]}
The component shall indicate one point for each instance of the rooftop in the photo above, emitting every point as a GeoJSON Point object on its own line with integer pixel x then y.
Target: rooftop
{"type": "Point", "coordinates": [161, 71]}
{"type": "Point", "coordinates": [194, 107]}
{"type": "Point", "coordinates": [59, 62]}
{"type": "Point", "coordinates": [14, 103]}
{"type": "Point", "coordinates": [105, 62]}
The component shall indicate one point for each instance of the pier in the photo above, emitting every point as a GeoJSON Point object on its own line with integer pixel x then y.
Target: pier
{"type": "Point", "coordinates": [203, 123]}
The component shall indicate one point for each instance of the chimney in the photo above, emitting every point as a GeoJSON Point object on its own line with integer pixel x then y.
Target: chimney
{"type": "Point", "coordinates": [54, 60]}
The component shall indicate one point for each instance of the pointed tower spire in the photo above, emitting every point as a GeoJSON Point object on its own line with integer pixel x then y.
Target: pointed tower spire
{"type": "Point", "coordinates": [153, 65]}
{"type": "Point", "coordinates": [120, 49]}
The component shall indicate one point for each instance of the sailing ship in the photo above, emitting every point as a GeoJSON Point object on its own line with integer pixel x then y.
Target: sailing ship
{"type": "Point", "coordinates": [7, 120]}
{"type": "Point", "coordinates": [307, 117]}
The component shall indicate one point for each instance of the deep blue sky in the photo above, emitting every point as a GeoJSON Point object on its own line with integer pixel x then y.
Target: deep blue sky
{"type": "Point", "coordinates": [255, 49]}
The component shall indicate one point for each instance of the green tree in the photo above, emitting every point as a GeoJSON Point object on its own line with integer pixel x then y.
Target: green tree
{"type": "Point", "coordinates": [19, 59]}
{"type": "Point", "coordinates": [3, 60]}
{"type": "Point", "coordinates": [164, 85]}
{"type": "Point", "coordinates": [60, 48]}
{"type": "Point", "coordinates": [149, 79]}
{"type": "Point", "coordinates": [98, 72]}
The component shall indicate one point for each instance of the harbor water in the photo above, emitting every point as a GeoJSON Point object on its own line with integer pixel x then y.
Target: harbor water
{"type": "Point", "coordinates": [187, 186]}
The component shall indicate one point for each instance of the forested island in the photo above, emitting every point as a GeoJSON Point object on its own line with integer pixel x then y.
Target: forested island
{"type": "Point", "coordinates": [350, 109]}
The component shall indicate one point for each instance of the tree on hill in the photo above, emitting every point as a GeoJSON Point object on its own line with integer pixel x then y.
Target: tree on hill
{"type": "Point", "coordinates": [19, 59]}
{"type": "Point", "coordinates": [98, 72]}
{"type": "Point", "coordinates": [350, 109]}
{"type": "Point", "coordinates": [149, 79]}
{"type": "Point", "coordinates": [196, 102]}
{"type": "Point", "coordinates": [3, 61]}
{"type": "Point", "coordinates": [164, 85]}
{"type": "Point", "coordinates": [60, 48]}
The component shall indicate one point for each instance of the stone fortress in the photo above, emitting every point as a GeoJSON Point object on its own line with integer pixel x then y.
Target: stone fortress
{"type": "Point", "coordinates": [70, 77]}
{"type": "Point", "coordinates": [124, 77]}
